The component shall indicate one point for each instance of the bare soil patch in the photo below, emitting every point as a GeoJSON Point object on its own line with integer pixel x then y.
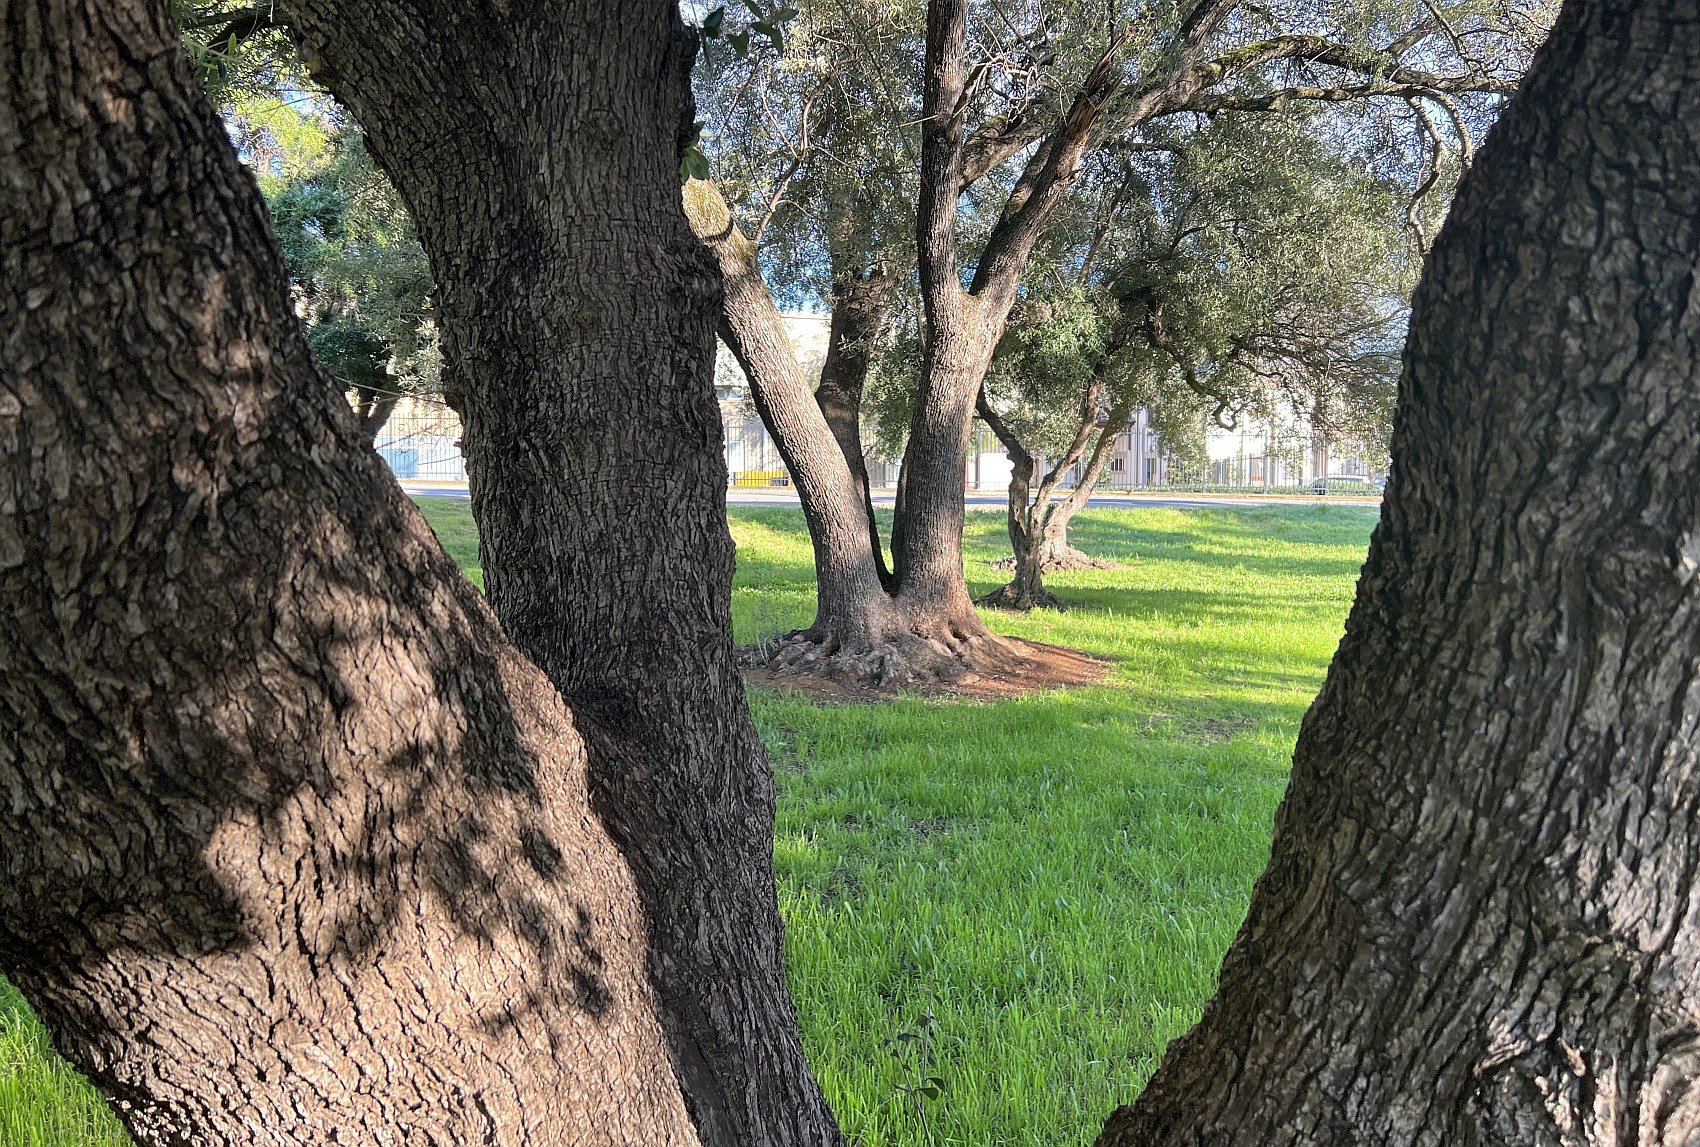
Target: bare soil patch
{"type": "Point", "coordinates": [1040, 667]}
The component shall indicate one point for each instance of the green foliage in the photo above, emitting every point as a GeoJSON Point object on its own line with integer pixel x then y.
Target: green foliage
{"type": "Point", "coordinates": [766, 23]}
{"type": "Point", "coordinates": [360, 277]}
{"type": "Point", "coordinates": [359, 273]}
{"type": "Point", "coordinates": [815, 148]}
{"type": "Point", "coordinates": [239, 54]}
{"type": "Point", "coordinates": [1239, 266]}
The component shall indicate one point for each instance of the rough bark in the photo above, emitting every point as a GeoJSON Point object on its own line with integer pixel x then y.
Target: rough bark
{"type": "Point", "coordinates": [536, 143]}
{"type": "Point", "coordinates": [964, 323]}
{"type": "Point", "coordinates": [294, 846]}
{"type": "Point", "coordinates": [1480, 923]}
{"type": "Point", "coordinates": [861, 634]}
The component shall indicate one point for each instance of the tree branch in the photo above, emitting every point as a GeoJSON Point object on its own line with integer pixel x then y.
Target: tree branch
{"type": "Point", "coordinates": [1044, 180]}
{"type": "Point", "coordinates": [944, 95]}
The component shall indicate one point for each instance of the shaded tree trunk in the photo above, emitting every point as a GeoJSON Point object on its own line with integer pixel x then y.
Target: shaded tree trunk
{"type": "Point", "coordinates": [294, 846]}
{"type": "Point", "coordinates": [374, 407]}
{"type": "Point", "coordinates": [861, 304]}
{"type": "Point", "coordinates": [536, 144]}
{"type": "Point", "coordinates": [1480, 923]}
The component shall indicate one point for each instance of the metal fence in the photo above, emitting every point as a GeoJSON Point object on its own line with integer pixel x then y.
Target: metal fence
{"type": "Point", "coordinates": [421, 441]}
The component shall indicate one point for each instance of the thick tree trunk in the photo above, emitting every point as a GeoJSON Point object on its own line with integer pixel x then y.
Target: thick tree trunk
{"type": "Point", "coordinates": [537, 143]}
{"type": "Point", "coordinates": [1481, 920]}
{"type": "Point", "coordinates": [294, 846]}
{"type": "Point", "coordinates": [861, 635]}
{"type": "Point", "coordinates": [861, 304]}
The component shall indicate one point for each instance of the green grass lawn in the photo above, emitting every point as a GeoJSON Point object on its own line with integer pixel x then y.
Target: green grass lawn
{"type": "Point", "coordinates": [1039, 889]}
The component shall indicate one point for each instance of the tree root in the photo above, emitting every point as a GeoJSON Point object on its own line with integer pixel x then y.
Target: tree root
{"type": "Point", "coordinates": [924, 662]}
{"type": "Point", "coordinates": [1069, 559]}
{"type": "Point", "coordinates": [1021, 600]}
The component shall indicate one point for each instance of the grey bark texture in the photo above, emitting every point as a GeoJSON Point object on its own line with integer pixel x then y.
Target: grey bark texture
{"type": "Point", "coordinates": [295, 847]}
{"type": "Point", "coordinates": [965, 323]}
{"type": "Point", "coordinates": [862, 633]}
{"type": "Point", "coordinates": [853, 611]}
{"type": "Point", "coordinates": [536, 144]}
{"type": "Point", "coordinates": [1480, 923]}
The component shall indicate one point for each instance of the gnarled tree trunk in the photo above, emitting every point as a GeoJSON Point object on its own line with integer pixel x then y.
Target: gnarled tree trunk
{"type": "Point", "coordinates": [536, 143]}
{"type": "Point", "coordinates": [294, 846]}
{"type": "Point", "coordinates": [1481, 920]}
{"type": "Point", "coordinates": [1038, 520]}
{"type": "Point", "coordinates": [965, 323]}
{"type": "Point", "coordinates": [862, 634]}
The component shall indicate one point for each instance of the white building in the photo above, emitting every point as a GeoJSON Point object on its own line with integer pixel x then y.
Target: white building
{"type": "Point", "coordinates": [752, 458]}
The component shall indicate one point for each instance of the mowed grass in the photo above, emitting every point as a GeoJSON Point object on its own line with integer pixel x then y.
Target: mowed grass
{"type": "Point", "coordinates": [1030, 898]}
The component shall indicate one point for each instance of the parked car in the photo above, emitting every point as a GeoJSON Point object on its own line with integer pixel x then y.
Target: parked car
{"type": "Point", "coordinates": [1347, 484]}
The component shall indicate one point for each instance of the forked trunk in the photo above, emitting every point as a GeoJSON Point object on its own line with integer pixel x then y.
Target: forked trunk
{"type": "Point", "coordinates": [295, 847]}
{"type": "Point", "coordinates": [1038, 520]}
{"type": "Point", "coordinates": [861, 304]}
{"type": "Point", "coordinates": [372, 410]}
{"type": "Point", "coordinates": [964, 324]}
{"type": "Point", "coordinates": [1481, 920]}
{"type": "Point", "coordinates": [853, 612]}
{"type": "Point", "coordinates": [536, 143]}
{"type": "Point", "coordinates": [861, 634]}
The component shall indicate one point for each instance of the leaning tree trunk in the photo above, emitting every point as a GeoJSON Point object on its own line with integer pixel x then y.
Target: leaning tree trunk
{"type": "Point", "coordinates": [1481, 920]}
{"type": "Point", "coordinates": [536, 143]}
{"type": "Point", "coordinates": [294, 846]}
{"type": "Point", "coordinates": [855, 618]}
{"type": "Point", "coordinates": [861, 304]}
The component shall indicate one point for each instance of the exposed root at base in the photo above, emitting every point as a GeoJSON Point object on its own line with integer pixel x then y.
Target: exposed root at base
{"type": "Point", "coordinates": [1069, 559]}
{"type": "Point", "coordinates": [1021, 601]}
{"type": "Point", "coordinates": [977, 666]}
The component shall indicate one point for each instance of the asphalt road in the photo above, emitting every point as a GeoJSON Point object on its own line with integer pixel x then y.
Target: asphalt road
{"type": "Point", "coordinates": [984, 500]}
